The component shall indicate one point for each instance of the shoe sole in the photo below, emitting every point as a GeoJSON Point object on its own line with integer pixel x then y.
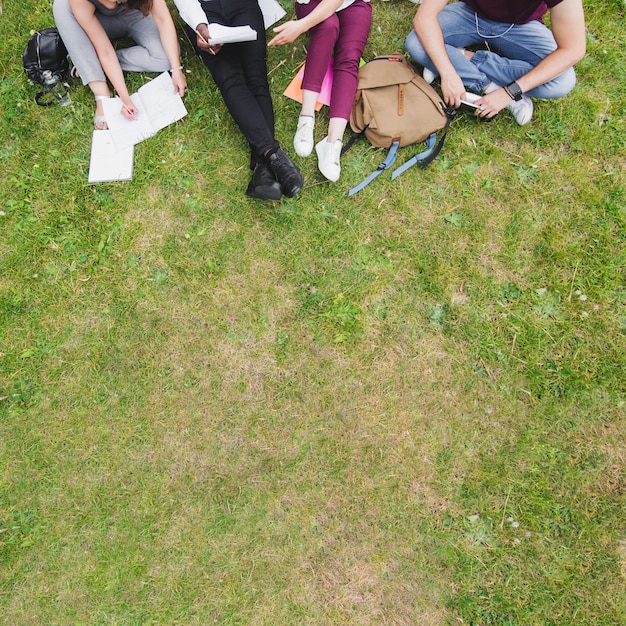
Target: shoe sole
{"type": "Point", "coordinates": [290, 193]}
{"type": "Point", "coordinates": [264, 193]}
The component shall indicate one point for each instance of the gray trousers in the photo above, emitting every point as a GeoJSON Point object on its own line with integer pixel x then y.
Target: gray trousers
{"type": "Point", "coordinates": [147, 56]}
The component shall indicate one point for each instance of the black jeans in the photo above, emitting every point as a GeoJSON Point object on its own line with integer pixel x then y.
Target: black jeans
{"type": "Point", "coordinates": [240, 72]}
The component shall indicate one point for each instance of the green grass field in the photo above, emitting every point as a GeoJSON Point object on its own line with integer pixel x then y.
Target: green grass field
{"type": "Point", "coordinates": [407, 407]}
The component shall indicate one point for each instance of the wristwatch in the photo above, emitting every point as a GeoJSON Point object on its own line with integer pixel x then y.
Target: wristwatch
{"type": "Point", "coordinates": [514, 91]}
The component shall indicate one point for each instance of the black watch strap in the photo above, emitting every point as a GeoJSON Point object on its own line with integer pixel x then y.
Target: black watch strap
{"type": "Point", "coordinates": [514, 91]}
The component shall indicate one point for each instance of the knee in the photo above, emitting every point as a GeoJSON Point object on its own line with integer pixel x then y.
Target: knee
{"type": "Point", "coordinates": [156, 51]}
{"type": "Point", "coordinates": [414, 48]}
{"type": "Point", "coordinates": [560, 86]}
{"type": "Point", "coordinates": [567, 82]}
{"type": "Point", "coordinates": [159, 57]}
{"type": "Point", "coordinates": [60, 9]}
{"type": "Point", "coordinates": [328, 29]}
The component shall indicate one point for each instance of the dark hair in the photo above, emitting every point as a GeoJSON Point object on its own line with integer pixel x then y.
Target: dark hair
{"type": "Point", "coordinates": [145, 6]}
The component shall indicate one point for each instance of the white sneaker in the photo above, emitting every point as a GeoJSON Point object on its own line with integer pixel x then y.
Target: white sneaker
{"type": "Point", "coordinates": [303, 139]}
{"type": "Point", "coordinates": [428, 75]}
{"type": "Point", "coordinates": [328, 155]}
{"type": "Point", "coordinates": [522, 110]}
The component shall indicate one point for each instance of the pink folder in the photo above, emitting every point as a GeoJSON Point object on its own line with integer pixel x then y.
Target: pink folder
{"type": "Point", "coordinates": [294, 89]}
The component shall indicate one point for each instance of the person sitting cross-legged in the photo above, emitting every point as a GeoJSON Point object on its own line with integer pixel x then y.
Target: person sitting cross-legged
{"type": "Point", "coordinates": [499, 53]}
{"type": "Point", "coordinates": [88, 27]}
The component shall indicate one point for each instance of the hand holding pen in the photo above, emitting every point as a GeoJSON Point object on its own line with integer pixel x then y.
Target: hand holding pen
{"type": "Point", "coordinates": [129, 110]}
{"type": "Point", "coordinates": [202, 40]}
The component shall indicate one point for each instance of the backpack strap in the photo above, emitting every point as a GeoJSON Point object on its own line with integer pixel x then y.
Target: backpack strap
{"type": "Point", "coordinates": [387, 163]}
{"type": "Point", "coordinates": [428, 156]}
{"type": "Point", "coordinates": [39, 98]}
{"type": "Point", "coordinates": [353, 137]}
{"type": "Point", "coordinates": [430, 142]}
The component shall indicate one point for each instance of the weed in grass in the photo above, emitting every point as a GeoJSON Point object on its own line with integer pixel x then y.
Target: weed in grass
{"type": "Point", "coordinates": [344, 315]}
{"type": "Point", "coordinates": [454, 218]}
{"type": "Point", "coordinates": [17, 533]}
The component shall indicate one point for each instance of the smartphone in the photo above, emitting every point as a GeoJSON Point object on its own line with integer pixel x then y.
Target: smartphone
{"type": "Point", "coordinates": [473, 105]}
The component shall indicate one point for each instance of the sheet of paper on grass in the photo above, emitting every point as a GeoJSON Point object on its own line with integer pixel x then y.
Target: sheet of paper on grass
{"type": "Point", "coordinates": [218, 33]}
{"type": "Point", "coordinates": [294, 89]}
{"type": "Point", "coordinates": [272, 12]}
{"type": "Point", "coordinates": [158, 107]}
{"type": "Point", "coordinates": [107, 163]}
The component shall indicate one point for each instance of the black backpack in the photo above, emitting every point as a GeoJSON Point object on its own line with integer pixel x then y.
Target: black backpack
{"type": "Point", "coordinates": [45, 51]}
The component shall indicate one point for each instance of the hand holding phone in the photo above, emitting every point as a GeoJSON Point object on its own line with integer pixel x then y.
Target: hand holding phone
{"type": "Point", "coordinates": [473, 105]}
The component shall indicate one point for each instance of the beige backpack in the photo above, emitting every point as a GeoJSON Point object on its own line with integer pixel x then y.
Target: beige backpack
{"type": "Point", "coordinates": [395, 107]}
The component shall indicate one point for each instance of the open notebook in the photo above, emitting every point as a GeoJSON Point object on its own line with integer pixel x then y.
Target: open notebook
{"type": "Point", "coordinates": [158, 107]}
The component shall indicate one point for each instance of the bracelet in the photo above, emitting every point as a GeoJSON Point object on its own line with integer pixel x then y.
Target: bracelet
{"type": "Point", "coordinates": [180, 67]}
{"type": "Point", "coordinates": [508, 92]}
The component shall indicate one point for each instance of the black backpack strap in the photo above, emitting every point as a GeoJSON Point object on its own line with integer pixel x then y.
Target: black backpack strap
{"type": "Point", "coordinates": [386, 164]}
{"type": "Point", "coordinates": [353, 137]}
{"type": "Point", "coordinates": [39, 98]}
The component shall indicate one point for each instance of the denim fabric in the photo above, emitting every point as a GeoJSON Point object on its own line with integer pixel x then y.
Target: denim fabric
{"type": "Point", "coordinates": [512, 51]}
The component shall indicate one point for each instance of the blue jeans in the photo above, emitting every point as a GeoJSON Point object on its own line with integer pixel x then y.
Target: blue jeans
{"type": "Point", "coordinates": [513, 50]}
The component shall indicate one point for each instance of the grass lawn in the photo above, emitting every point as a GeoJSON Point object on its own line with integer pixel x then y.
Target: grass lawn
{"type": "Point", "coordinates": [407, 407]}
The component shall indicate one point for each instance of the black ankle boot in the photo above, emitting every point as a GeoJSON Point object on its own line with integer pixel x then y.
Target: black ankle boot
{"type": "Point", "coordinates": [263, 185]}
{"type": "Point", "coordinates": [286, 172]}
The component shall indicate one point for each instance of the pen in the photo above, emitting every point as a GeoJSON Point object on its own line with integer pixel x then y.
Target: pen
{"type": "Point", "coordinates": [201, 37]}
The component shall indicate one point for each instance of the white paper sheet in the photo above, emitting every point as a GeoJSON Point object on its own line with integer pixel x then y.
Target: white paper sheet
{"type": "Point", "coordinates": [107, 163]}
{"type": "Point", "coordinates": [272, 12]}
{"type": "Point", "coordinates": [218, 33]}
{"type": "Point", "coordinates": [158, 107]}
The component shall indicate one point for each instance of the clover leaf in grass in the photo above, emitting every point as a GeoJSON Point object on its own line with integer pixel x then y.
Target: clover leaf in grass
{"type": "Point", "coordinates": [547, 303]}
{"type": "Point", "coordinates": [526, 174]}
{"type": "Point", "coordinates": [479, 530]}
{"type": "Point", "coordinates": [469, 169]}
{"type": "Point", "coordinates": [510, 292]}
{"type": "Point", "coordinates": [454, 218]}
{"type": "Point", "coordinates": [159, 277]}
{"type": "Point", "coordinates": [439, 314]}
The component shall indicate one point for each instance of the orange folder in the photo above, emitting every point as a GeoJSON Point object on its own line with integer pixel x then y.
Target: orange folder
{"type": "Point", "coordinates": [294, 89]}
